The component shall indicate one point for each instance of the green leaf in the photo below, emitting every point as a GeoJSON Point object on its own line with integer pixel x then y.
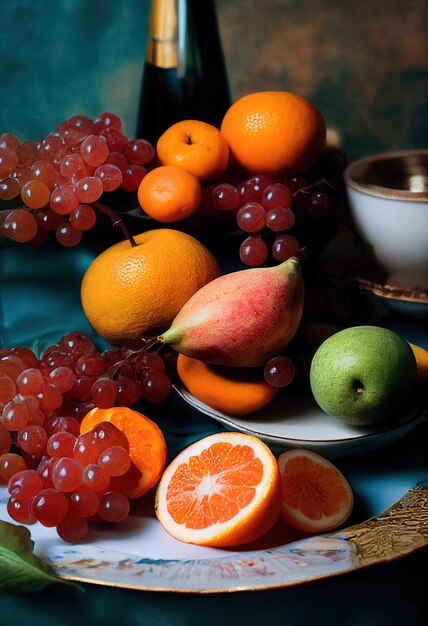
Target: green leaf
{"type": "Point", "coordinates": [21, 571]}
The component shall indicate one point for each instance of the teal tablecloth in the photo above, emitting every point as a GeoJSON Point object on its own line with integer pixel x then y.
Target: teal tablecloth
{"type": "Point", "coordinates": [40, 302]}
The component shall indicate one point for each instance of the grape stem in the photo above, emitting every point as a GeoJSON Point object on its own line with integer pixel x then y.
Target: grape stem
{"type": "Point", "coordinates": [116, 220]}
{"type": "Point", "coordinates": [320, 181]}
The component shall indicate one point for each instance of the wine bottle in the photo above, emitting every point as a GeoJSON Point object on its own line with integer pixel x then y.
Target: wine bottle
{"type": "Point", "coordinates": [184, 73]}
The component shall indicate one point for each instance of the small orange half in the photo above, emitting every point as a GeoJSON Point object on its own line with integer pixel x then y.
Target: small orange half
{"type": "Point", "coordinates": [223, 490]}
{"type": "Point", "coordinates": [316, 496]}
{"type": "Point", "coordinates": [147, 447]}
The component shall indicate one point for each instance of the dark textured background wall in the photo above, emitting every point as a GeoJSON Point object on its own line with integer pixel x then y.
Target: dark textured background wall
{"type": "Point", "coordinates": [363, 63]}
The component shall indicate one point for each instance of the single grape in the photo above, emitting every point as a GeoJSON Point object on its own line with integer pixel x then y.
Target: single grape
{"type": "Point", "coordinates": [276, 195]}
{"type": "Point", "coordinates": [15, 414]}
{"type": "Point", "coordinates": [82, 389]}
{"type": "Point", "coordinates": [26, 355]}
{"type": "Point", "coordinates": [119, 159]}
{"type": "Point", "coordinates": [46, 173]}
{"type": "Point", "coordinates": [63, 199]}
{"type": "Point", "coordinates": [114, 507]}
{"type": "Point", "coordinates": [251, 217]}
{"type": "Point", "coordinates": [95, 477]}
{"type": "Point", "coordinates": [318, 204]}
{"type": "Point", "coordinates": [156, 386]}
{"type": "Point", "coordinates": [83, 502]}
{"type": "Point", "coordinates": [66, 474]}
{"type": "Point", "coordinates": [8, 161]}
{"type": "Point", "coordinates": [132, 177]}
{"type": "Point", "coordinates": [73, 167]}
{"type": "Point", "coordinates": [88, 189]}
{"type": "Point", "coordinates": [76, 343]}
{"type": "Point", "coordinates": [139, 151]}
{"type": "Point", "coordinates": [10, 463]}
{"type": "Point", "coordinates": [148, 361]}
{"type": "Point", "coordinates": [52, 148]}
{"type": "Point", "coordinates": [63, 378]}
{"type": "Point", "coordinates": [251, 190]}
{"type": "Point", "coordinates": [83, 217]}
{"type": "Point", "coordinates": [294, 182]}
{"type": "Point", "coordinates": [68, 236]}
{"type": "Point", "coordinates": [49, 507]}
{"type": "Point", "coordinates": [49, 220]}
{"type": "Point", "coordinates": [20, 225]}
{"type": "Point", "coordinates": [32, 439]}
{"type": "Point", "coordinates": [107, 434]}
{"type": "Point", "coordinates": [25, 484]}
{"type": "Point", "coordinates": [225, 197]}
{"type": "Point", "coordinates": [36, 416]}
{"type": "Point", "coordinates": [7, 388]}
{"type": "Point", "coordinates": [64, 423]}
{"type": "Point", "coordinates": [279, 371]}
{"type": "Point", "coordinates": [9, 189]}
{"type": "Point", "coordinates": [115, 460]}
{"type": "Point", "coordinates": [94, 150]}
{"type": "Point", "coordinates": [19, 510]}
{"type": "Point", "coordinates": [106, 121]}
{"type": "Point", "coordinates": [11, 365]}
{"type": "Point", "coordinates": [61, 444]}
{"type": "Point", "coordinates": [22, 174]}
{"type": "Point", "coordinates": [128, 391]}
{"type": "Point", "coordinates": [89, 364]}
{"type": "Point", "coordinates": [72, 529]}
{"type": "Point", "coordinates": [49, 398]}
{"type": "Point", "coordinates": [253, 251]}
{"type": "Point", "coordinates": [110, 176]}
{"type": "Point", "coordinates": [30, 382]}
{"type": "Point", "coordinates": [104, 393]}
{"type": "Point", "coordinates": [279, 219]}
{"type": "Point", "coordinates": [116, 141]}
{"type": "Point", "coordinates": [27, 153]}
{"type": "Point", "coordinates": [284, 247]}
{"type": "Point", "coordinates": [9, 141]}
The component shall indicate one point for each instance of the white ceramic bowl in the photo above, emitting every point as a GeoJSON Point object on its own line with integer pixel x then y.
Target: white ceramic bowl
{"type": "Point", "coordinates": [388, 201]}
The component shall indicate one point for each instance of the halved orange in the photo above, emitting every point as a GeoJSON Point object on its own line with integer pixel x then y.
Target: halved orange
{"type": "Point", "coordinates": [223, 490]}
{"type": "Point", "coordinates": [147, 447]}
{"type": "Point", "coordinates": [316, 496]}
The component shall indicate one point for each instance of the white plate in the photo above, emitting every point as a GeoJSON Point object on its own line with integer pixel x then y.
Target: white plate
{"type": "Point", "coordinates": [139, 554]}
{"type": "Point", "coordinates": [294, 420]}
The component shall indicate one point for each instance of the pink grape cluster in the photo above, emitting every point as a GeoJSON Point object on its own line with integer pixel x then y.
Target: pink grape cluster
{"type": "Point", "coordinates": [60, 177]}
{"type": "Point", "coordinates": [76, 482]}
{"type": "Point", "coordinates": [268, 210]}
{"type": "Point", "coordinates": [39, 397]}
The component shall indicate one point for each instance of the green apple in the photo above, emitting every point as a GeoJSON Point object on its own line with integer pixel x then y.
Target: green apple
{"type": "Point", "coordinates": [361, 374]}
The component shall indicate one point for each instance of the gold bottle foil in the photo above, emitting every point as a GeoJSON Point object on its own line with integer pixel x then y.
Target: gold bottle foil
{"type": "Point", "coordinates": [162, 44]}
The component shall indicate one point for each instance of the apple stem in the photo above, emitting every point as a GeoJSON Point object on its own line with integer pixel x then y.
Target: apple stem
{"type": "Point", "coordinates": [116, 220]}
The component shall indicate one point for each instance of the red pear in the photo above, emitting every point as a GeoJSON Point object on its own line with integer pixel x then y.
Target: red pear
{"type": "Point", "coordinates": [241, 319]}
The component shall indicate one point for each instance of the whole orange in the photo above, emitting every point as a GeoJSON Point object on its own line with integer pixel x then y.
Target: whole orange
{"type": "Point", "coordinates": [169, 193]}
{"type": "Point", "coordinates": [196, 146]}
{"type": "Point", "coordinates": [274, 132]}
{"type": "Point", "coordinates": [130, 293]}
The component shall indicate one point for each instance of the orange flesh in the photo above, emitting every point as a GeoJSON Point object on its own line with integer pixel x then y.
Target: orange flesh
{"type": "Point", "coordinates": [314, 490]}
{"type": "Point", "coordinates": [214, 486]}
{"type": "Point", "coordinates": [147, 447]}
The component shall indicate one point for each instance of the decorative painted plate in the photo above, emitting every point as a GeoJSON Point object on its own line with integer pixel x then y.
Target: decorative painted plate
{"type": "Point", "coordinates": [294, 420]}
{"type": "Point", "coordinates": [141, 555]}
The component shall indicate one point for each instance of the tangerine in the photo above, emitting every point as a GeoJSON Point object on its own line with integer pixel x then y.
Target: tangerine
{"type": "Point", "coordinates": [274, 132]}
{"type": "Point", "coordinates": [316, 496]}
{"type": "Point", "coordinates": [230, 390]}
{"type": "Point", "coordinates": [129, 293]}
{"type": "Point", "coordinates": [421, 356]}
{"type": "Point", "coordinates": [147, 447]}
{"type": "Point", "coordinates": [196, 146]}
{"type": "Point", "coordinates": [169, 193]}
{"type": "Point", "coordinates": [223, 490]}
